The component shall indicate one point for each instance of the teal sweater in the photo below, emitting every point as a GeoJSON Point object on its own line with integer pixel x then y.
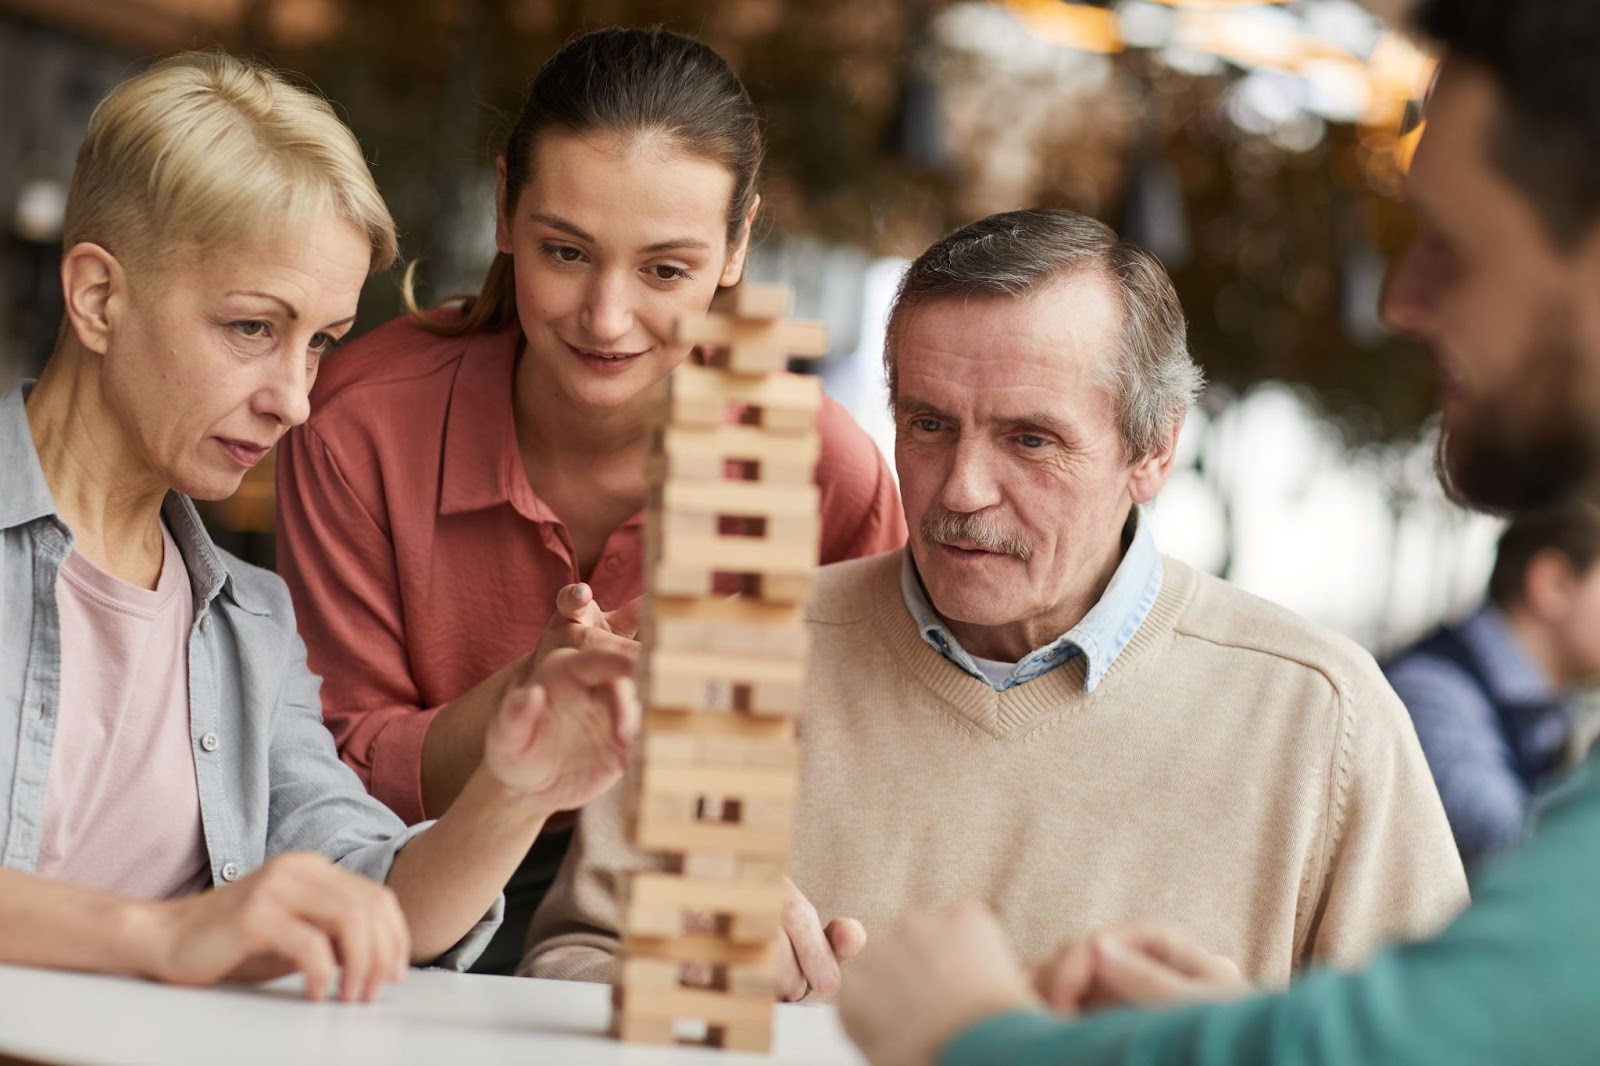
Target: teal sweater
{"type": "Point", "coordinates": [1515, 981]}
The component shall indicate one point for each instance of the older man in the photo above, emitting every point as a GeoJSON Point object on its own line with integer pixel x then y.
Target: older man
{"type": "Point", "coordinates": [1031, 705]}
{"type": "Point", "coordinates": [1503, 284]}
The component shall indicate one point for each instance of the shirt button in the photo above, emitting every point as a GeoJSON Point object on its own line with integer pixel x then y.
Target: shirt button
{"type": "Point", "coordinates": [205, 623]}
{"type": "Point", "coordinates": [231, 871]}
{"type": "Point", "coordinates": [209, 741]}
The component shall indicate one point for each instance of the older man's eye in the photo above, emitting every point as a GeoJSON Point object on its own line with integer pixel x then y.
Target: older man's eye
{"type": "Point", "coordinates": [927, 425]}
{"type": "Point", "coordinates": [1032, 440]}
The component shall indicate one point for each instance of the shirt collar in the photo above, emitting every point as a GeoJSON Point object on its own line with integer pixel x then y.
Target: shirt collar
{"type": "Point", "coordinates": [1508, 667]}
{"type": "Point", "coordinates": [25, 497]}
{"type": "Point", "coordinates": [1100, 636]}
{"type": "Point", "coordinates": [24, 494]}
{"type": "Point", "coordinates": [480, 432]}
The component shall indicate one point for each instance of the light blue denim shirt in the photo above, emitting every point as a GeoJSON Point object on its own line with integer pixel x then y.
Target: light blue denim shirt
{"type": "Point", "coordinates": [269, 777]}
{"type": "Point", "coordinates": [1100, 636]}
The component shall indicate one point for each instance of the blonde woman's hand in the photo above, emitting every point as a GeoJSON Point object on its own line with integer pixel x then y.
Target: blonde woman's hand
{"type": "Point", "coordinates": [563, 739]}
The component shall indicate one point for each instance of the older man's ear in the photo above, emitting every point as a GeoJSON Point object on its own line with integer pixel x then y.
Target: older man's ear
{"type": "Point", "coordinates": [1150, 472]}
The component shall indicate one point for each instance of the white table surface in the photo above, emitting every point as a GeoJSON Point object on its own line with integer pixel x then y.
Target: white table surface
{"type": "Point", "coordinates": [433, 1017]}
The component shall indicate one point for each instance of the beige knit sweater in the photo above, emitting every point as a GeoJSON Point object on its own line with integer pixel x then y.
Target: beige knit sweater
{"type": "Point", "coordinates": [1238, 771]}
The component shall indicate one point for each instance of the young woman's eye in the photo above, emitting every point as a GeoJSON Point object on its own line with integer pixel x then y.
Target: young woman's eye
{"type": "Point", "coordinates": [251, 328]}
{"type": "Point", "coordinates": [667, 272]}
{"type": "Point", "coordinates": [562, 253]}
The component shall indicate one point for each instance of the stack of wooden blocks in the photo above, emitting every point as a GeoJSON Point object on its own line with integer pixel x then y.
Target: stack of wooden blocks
{"type": "Point", "coordinates": [733, 509]}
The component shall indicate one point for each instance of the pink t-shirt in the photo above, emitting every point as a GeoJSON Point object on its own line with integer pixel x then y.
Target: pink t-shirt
{"type": "Point", "coordinates": [122, 807]}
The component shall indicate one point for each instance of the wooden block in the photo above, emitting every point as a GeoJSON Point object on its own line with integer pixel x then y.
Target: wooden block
{"type": "Point", "coordinates": [712, 447]}
{"type": "Point", "coordinates": [736, 555]}
{"type": "Point", "coordinates": [751, 910]}
{"type": "Point", "coordinates": [747, 1037]}
{"type": "Point", "coordinates": [745, 499]}
{"type": "Point", "coordinates": [731, 609]}
{"type": "Point", "coordinates": [725, 638]}
{"type": "Point", "coordinates": [734, 782]}
{"type": "Point", "coordinates": [748, 357]}
{"type": "Point", "coordinates": [674, 749]}
{"type": "Point", "coordinates": [633, 1028]}
{"type": "Point", "coordinates": [800, 533]}
{"type": "Point", "coordinates": [753, 981]}
{"type": "Point", "coordinates": [712, 723]}
{"type": "Point", "coordinates": [715, 1008]}
{"type": "Point", "coordinates": [788, 402]}
{"type": "Point", "coordinates": [673, 834]}
{"type": "Point", "coordinates": [702, 947]}
{"type": "Point", "coordinates": [709, 866]}
{"type": "Point", "coordinates": [669, 578]}
{"type": "Point", "coordinates": [639, 971]}
{"type": "Point", "coordinates": [780, 337]}
{"type": "Point", "coordinates": [762, 301]}
{"type": "Point", "coordinates": [651, 890]}
{"type": "Point", "coordinates": [725, 682]}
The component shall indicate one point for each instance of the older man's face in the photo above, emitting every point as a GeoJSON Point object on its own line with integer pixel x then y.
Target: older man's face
{"type": "Point", "coordinates": [1511, 320]}
{"type": "Point", "coordinates": [1014, 480]}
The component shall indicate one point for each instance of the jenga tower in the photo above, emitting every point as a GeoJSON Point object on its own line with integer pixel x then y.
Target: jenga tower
{"type": "Point", "coordinates": [732, 538]}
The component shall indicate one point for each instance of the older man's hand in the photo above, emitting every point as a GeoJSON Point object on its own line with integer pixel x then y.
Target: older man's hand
{"type": "Point", "coordinates": [932, 977]}
{"type": "Point", "coordinates": [810, 953]}
{"type": "Point", "coordinates": [1142, 963]}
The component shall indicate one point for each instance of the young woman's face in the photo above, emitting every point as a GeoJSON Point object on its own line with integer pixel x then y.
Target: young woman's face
{"type": "Point", "coordinates": [614, 239]}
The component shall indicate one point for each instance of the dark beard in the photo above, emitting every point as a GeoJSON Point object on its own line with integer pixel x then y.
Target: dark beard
{"type": "Point", "coordinates": [1528, 447]}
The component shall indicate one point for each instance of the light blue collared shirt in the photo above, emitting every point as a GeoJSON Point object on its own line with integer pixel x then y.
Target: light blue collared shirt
{"type": "Point", "coordinates": [1099, 637]}
{"type": "Point", "coordinates": [268, 776]}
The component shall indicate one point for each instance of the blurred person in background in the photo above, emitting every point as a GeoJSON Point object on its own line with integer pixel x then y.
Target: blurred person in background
{"type": "Point", "coordinates": [1492, 696]}
{"type": "Point", "coordinates": [465, 467]}
{"type": "Point", "coordinates": [1502, 284]}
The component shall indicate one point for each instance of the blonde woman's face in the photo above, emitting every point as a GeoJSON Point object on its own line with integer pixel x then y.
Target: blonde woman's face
{"type": "Point", "coordinates": [613, 240]}
{"type": "Point", "coordinates": [210, 359]}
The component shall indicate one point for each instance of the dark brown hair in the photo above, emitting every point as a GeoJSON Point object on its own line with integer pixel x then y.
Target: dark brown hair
{"type": "Point", "coordinates": [1571, 529]}
{"type": "Point", "coordinates": [621, 81]}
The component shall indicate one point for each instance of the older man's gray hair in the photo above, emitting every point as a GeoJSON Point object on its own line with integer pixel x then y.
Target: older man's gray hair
{"type": "Point", "coordinates": [1153, 379]}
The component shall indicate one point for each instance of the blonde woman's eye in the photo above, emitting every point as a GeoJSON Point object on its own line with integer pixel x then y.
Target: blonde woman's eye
{"type": "Point", "coordinates": [321, 342]}
{"type": "Point", "coordinates": [250, 328]}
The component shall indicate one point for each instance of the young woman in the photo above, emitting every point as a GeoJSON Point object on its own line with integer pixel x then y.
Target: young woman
{"type": "Point", "coordinates": [464, 466]}
{"type": "Point", "coordinates": [159, 729]}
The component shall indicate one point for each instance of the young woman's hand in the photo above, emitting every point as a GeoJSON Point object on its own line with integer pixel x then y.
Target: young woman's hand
{"type": "Point", "coordinates": [578, 622]}
{"type": "Point", "coordinates": [563, 739]}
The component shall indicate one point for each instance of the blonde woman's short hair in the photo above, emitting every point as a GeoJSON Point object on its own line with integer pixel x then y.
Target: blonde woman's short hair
{"type": "Point", "coordinates": [204, 149]}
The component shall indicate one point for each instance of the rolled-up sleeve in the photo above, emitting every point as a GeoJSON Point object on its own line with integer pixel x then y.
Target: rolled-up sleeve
{"type": "Point", "coordinates": [317, 803]}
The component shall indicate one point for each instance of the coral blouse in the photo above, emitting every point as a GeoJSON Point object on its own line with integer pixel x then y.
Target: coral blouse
{"type": "Point", "coordinates": [420, 559]}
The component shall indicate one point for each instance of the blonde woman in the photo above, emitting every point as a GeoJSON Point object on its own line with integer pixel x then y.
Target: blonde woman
{"type": "Point", "coordinates": [160, 733]}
